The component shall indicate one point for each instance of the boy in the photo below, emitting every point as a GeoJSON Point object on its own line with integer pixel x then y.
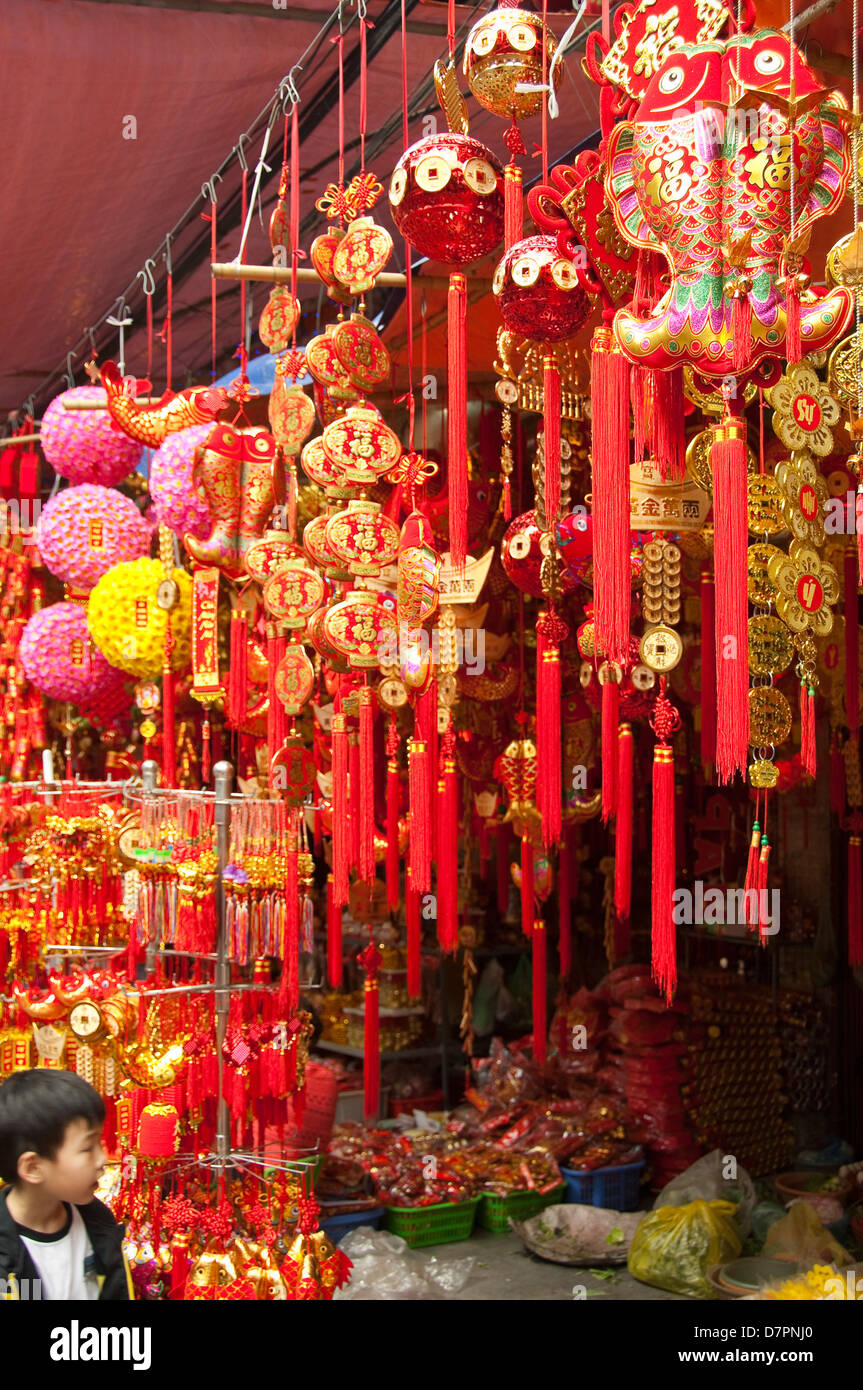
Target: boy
{"type": "Point", "coordinates": [52, 1228]}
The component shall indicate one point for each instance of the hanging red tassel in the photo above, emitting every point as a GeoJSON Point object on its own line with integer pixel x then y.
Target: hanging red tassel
{"type": "Point", "coordinates": [665, 721]}
{"type": "Point", "coordinates": [741, 331]}
{"type": "Point", "coordinates": [858, 522]}
{"type": "Point", "coordinates": [623, 843]}
{"type": "Point", "coordinates": [334, 937]}
{"type": "Point", "coordinates": [354, 796]}
{"type": "Point", "coordinates": [855, 903]}
{"type": "Point", "coordinates": [665, 423]}
{"type": "Point", "coordinates": [708, 670]}
{"type": "Point", "coordinates": [513, 216]}
{"type": "Point", "coordinates": [341, 829]}
{"type": "Point", "coordinates": [551, 633]}
{"type": "Point", "coordinates": [420, 836]}
{"type": "Point", "coordinates": [852, 645]}
{"type": "Point", "coordinates": [205, 751]}
{"type": "Point", "coordinates": [393, 808]}
{"type": "Point", "coordinates": [610, 755]}
{"type": "Point", "coordinates": [370, 961]}
{"type": "Point", "coordinates": [289, 986]}
{"type": "Point", "coordinates": [273, 700]}
{"type": "Point", "coordinates": [564, 905]}
{"type": "Point", "coordinates": [763, 866]}
{"type": "Point", "coordinates": [367, 786]}
{"type": "Point", "coordinates": [610, 455]}
{"type": "Point", "coordinates": [457, 418]}
{"type": "Point", "coordinates": [808, 757]}
{"type": "Point", "coordinates": [503, 834]}
{"type": "Point", "coordinates": [750, 882]}
{"type": "Point", "coordinates": [447, 855]}
{"type": "Point", "coordinates": [425, 728]}
{"type": "Point", "coordinates": [793, 340]}
{"type": "Point", "coordinates": [412, 918]}
{"type": "Point", "coordinates": [238, 695]}
{"type": "Point", "coordinates": [540, 1022]}
{"type": "Point", "coordinates": [837, 776]}
{"type": "Point", "coordinates": [551, 438]}
{"type": "Point", "coordinates": [526, 885]}
{"type": "Point", "coordinates": [728, 460]}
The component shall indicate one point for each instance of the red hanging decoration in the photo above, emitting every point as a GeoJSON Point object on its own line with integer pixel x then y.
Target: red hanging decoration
{"type": "Point", "coordinates": [540, 1022]}
{"type": "Point", "coordinates": [665, 422]}
{"type": "Point", "coordinates": [552, 631]}
{"type": "Point", "coordinates": [169, 750]}
{"type": "Point", "coordinates": [354, 808]}
{"type": "Point", "coordinates": [367, 786]}
{"type": "Point", "coordinates": [412, 918]}
{"type": "Point", "coordinates": [513, 214]}
{"type": "Point", "coordinates": [447, 845]}
{"type": "Point", "coordinates": [741, 330]}
{"type": "Point", "coordinates": [623, 842]}
{"type": "Point", "coordinates": [551, 438]}
{"type": "Point", "coordinates": [664, 721]}
{"type": "Point", "coordinates": [457, 417]}
{"type": "Point", "coordinates": [609, 383]}
{"type": "Point", "coordinates": [526, 885]}
{"type": "Point", "coordinates": [238, 693]}
{"type": "Point", "coordinates": [750, 883]}
{"type": "Point", "coordinates": [858, 521]}
{"type": "Point", "coordinates": [341, 828]}
{"type": "Point", "coordinates": [393, 808]}
{"type": "Point", "coordinates": [729, 464]}
{"type": "Point", "coordinates": [793, 339]}
{"type": "Point", "coordinates": [289, 987]}
{"type": "Point", "coordinates": [610, 755]}
{"type": "Point", "coordinates": [420, 809]}
{"type": "Point", "coordinates": [334, 937]}
{"type": "Point", "coordinates": [763, 866]}
{"type": "Point", "coordinates": [370, 961]}
{"type": "Point", "coordinates": [808, 757]}
{"type": "Point", "coordinates": [708, 670]}
{"type": "Point", "coordinates": [852, 645]}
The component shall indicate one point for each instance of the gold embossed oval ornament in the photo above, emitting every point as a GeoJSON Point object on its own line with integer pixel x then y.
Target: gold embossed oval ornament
{"type": "Point", "coordinates": [361, 353]}
{"type": "Point", "coordinates": [278, 320]}
{"type": "Point", "coordinates": [362, 627]}
{"type": "Point", "coordinates": [293, 594]}
{"type": "Point", "coordinates": [362, 445]}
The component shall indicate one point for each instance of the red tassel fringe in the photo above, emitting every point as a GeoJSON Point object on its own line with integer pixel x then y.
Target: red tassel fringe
{"type": "Point", "coordinates": [238, 695]}
{"type": "Point", "coordinates": [513, 216]}
{"type": "Point", "coordinates": [540, 1022]}
{"type": "Point", "coordinates": [447, 857]}
{"type": "Point", "coordinates": [728, 458]}
{"type": "Point", "coordinates": [610, 453]}
{"type": "Point", "coordinates": [807, 729]}
{"type": "Point", "coordinates": [393, 807]}
{"type": "Point", "coordinates": [420, 833]}
{"type": "Point", "coordinates": [457, 417]}
{"type": "Point", "coordinates": [623, 842]}
{"type": "Point", "coordinates": [610, 756]}
{"type": "Point", "coordinates": [663, 934]}
{"type": "Point", "coordinates": [550, 633]}
{"type": "Point", "coordinates": [412, 917]}
{"type": "Point", "coordinates": [551, 439]}
{"type": "Point", "coordinates": [341, 828]}
{"type": "Point", "coordinates": [793, 341]}
{"type": "Point", "coordinates": [708, 670]}
{"type": "Point", "coordinates": [367, 786]}
{"type": "Point", "coordinates": [526, 885]}
{"type": "Point", "coordinates": [334, 938]}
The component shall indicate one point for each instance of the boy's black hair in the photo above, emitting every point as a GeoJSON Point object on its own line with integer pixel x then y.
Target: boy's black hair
{"type": "Point", "coordinates": [36, 1109]}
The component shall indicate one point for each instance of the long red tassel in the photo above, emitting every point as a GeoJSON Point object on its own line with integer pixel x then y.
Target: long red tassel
{"type": "Point", "coordinates": [238, 670]}
{"type": "Point", "coordinates": [354, 799]}
{"type": "Point", "coordinates": [793, 339]}
{"type": "Point", "coordinates": [526, 885]}
{"type": "Point", "coordinates": [393, 808]}
{"type": "Point", "coordinates": [610, 756]}
{"type": "Point", "coordinates": [289, 990]}
{"type": "Point", "coordinates": [750, 882]}
{"type": "Point", "coordinates": [664, 721]}
{"type": "Point", "coordinates": [858, 521]}
{"type": "Point", "coordinates": [341, 827]}
{"type": "Point", "coordinates": [708, 670]}
{"type": "Point", "coordinates": [503, 834]}
{"type": "Point", "coordinates": [540, 1022]}
{"type": "Point", "coordinates": [447, 852]}
{"type": "Point", "coordinates": [564, 902]}
{"type": "Point", "coordinates": [420, 836]}
{"type": "Point", "coordinates": [334, 937]}
{"type": "Point", "coordinates": [623, 842]}
{"type": "Point", "coordinates": [367, 786]}
{"type": "Point", "coordinates": [763, 866]}
{"type": "Point", "coordinates": [807, 728]}
{"type": "Point", "coordinates": [513, 214]}
{"type": "Point", "coordinates": [610, 454]}
{"type": "Point", "coordinates": [412, 917]}
{"type": "Point", "coordinates": [457, 417]}
{"type": "Point", "coordinates": [425, 728]}
{"type": "Point", "coordinates": [169, 748]}
{"type": "Point", "coordinates": [852, 645]}
{"type": "Point", "coordinates": [728, 459]}
{"type": "Point", "coordinates": [665, 423]}
{"type": "Point", "coordinates": [551, 632]}
{"type": "Point", "coordinates": [741, 331]}
{"type": "Point", "coordinates": [370, 960]}
{"type": "Point", "coordinates": [837, 776]}
{"type": "Point", "coordinates": [551, 438]}
{"type": "Point", "coordinates": [273, 701]}
{"type": "Point", "coordinates": [855, 903]}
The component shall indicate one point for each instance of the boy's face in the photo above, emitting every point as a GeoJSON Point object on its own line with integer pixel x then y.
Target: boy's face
{"type": "Point", "coordinates": [73, 1174]}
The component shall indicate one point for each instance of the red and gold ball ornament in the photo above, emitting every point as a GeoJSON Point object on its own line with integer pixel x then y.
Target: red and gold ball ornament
{"type": "Point", "coordinates": [503, 57]}
{"type": "Point", "coordinates": [446, 198]}
{"type": "Point", "coordinates": [538, 293]}
{"type": "Point", "coordinates": [522, 550]}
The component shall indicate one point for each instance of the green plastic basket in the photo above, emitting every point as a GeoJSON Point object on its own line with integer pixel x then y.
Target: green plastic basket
{"type": "Point", "coordinates": [437, 1225]}
{"type": "Point", "coordinates": [495, 1211]}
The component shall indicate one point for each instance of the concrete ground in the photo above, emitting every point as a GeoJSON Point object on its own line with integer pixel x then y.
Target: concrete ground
{"type": "Point", "coordinates": [506, 1272]}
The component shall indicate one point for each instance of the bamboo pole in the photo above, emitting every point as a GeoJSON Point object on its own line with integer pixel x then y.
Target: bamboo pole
{"type": "Point", "coordinates": [306, 275]}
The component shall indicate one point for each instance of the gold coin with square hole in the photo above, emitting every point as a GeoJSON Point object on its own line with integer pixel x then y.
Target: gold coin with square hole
{"type": "Point", "coordinates": [769, 717]}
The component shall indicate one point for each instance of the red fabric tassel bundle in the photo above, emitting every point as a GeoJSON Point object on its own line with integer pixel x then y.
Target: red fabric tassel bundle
{"type": "Point", "coordinates": [855, 903]}
{"type": "Point", "coordinates": [763, 866]}
{"type": "Point", "coordinates": [280, 718]}
{"type": "Point", "coordinates": [273, 701]}
{"type": "Point", "coordinates": [728, 459]}
{"type": "Point", "coordinates": [393, 808]}
{"type": "Point", "coordinates": [526, 885]}
{"type": "Point", "coordinates": [425, 728]}
{"type": "Point", "coordinates": [837, 776]}
{"type": "Point", "coordinates": [852, 645]}
{"type": "Point", "coordinates": [551, 632]}
{"type": "Point", "coordinates": [793, 340]}
{"type": "Point", "coordinates": [551, 438]}
{"type": "Point", "coordinates": [334, 937]}
{"type": "Point", "coordinates": [858, 521]}
{"type": "Point", "coordinates": [447, 855]}
{"type": "Point", "coordinates": [341, 827]}
{"type": "Point", "coordinates": [741, 331]}
{"type": "Point", "coordinates": [540, 1022]}
{"type": "Point", "coordinates": [370, 961]}
{"type": "Point", "coordinates": [238, 692]}
{"type": "Point", "coordinates": [708, 670]}
{"type": "Point", "coordinates": [367, 786]}
{"type": "Point", "coordinates": [289, 988]}
{"type": "Point", "coordinates": [610, 454]}
{"type": "Point", "coordinates": [420, 831]}
{"type": "Point", "coordinates": [665, 721]}
{"type": "Point", "coordinates": [750, 883]}
{"type": "Point", "coordinates": [564, 904]}
{"type": "Point", "coordinates": [412, 918]}
{"type": "Point", "coordinates": [808, 757]}
{"type": "Point", "coordinates": [610, 757]}
{"type": "Point", "coordinates": [503, 877]}
{"type": "Point", "coordinates": [623, 842]}
{"type": "Point", "coordinates": [457, 417]}
{"type": "Point", "coordinates": [513, 216]}
{"type": "Point", "coordinates": [169, 750]}
{"type": "Point", "coordinates": [665, 422]}
{"type": "Point", "coordinates": [354, 795]}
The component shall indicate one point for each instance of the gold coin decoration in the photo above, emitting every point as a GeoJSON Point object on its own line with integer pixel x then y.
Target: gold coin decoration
{"type": "Point", "coordinates": [771, 646]}
{"type": "Point", "coordinates": [844, 370]}
{"type": "Point", "coordinates": [764, 505]}
{"type": "Point", "coordinates": [758, 584]}
{"type": "Point", "coordinates": [763, 774]}
{"type": "Point", "coordinates": [769, 717]}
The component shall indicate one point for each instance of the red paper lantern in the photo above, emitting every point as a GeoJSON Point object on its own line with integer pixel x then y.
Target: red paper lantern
{"type": "Point", "coordinates": [538, 293]}
{"type": "Point", "coordinates": [446, 198]}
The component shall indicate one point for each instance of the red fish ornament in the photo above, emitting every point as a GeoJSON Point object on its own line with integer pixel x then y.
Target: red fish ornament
{"type": "Point", "coordinates": [151, 424]}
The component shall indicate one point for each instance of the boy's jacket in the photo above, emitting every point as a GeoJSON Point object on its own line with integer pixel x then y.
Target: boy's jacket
{"type": "Point", "coordinates": [106, 1238]}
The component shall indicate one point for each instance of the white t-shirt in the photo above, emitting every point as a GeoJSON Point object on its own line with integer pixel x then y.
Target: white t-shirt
{"type": "Point", "coordinates": [64, 1260]}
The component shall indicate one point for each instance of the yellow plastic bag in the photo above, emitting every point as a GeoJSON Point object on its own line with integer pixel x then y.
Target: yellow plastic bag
{"type": "Point", "coordinates": [802, 1236]}
{"type": "Point", "coordinates": [674, 1247]}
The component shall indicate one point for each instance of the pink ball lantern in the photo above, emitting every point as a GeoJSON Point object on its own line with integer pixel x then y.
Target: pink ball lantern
{"type": "Point", "coordinates": [86, 530]}
{"type": "Point", "coordinates": [82, 445]}
{"type": "Point", "coordinates": [446, 198]}
{"type": "Point", "coordinates": [538, 293]}
{"type": "Point", "coordinates": [177, 502]}
{"type": "Point", "coordinates": [58, 657]}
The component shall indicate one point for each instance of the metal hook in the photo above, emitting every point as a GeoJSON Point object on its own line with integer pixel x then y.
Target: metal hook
{"type": "Point", "coordinates": [288, 89]}
{"type": "Point", "coordinates": [29, 406]}
{"type": "Point", "coordinates": [148, 283]}
{"type": "Point", "coordinates": [241, 154]}
{"type": "Point", "coordinates": [70, 377]}
{"type": "Point", "coordinates": [168, 262]}
{"type": "Point", "coordinates": [208, 189]}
